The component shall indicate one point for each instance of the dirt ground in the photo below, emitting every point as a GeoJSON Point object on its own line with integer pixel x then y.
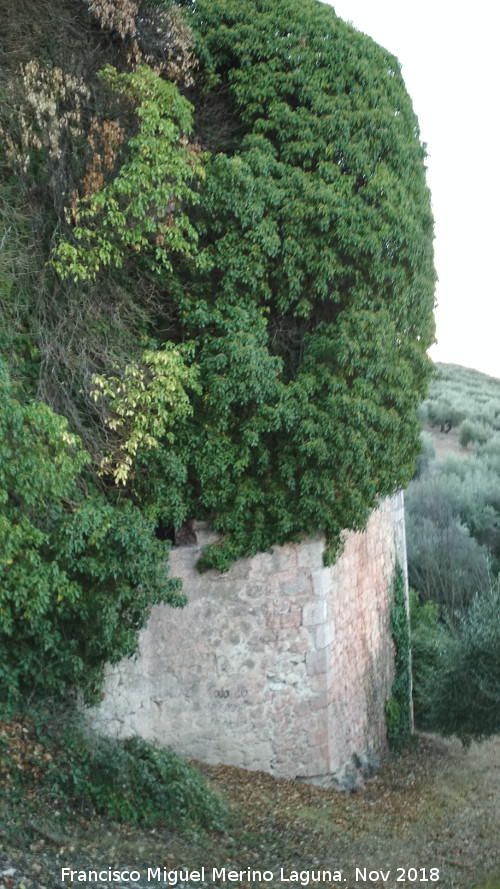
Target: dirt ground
{"type": "Point", "coordinates": [446, 443]}
{"type": "Point", "coordinates": [437, 806]}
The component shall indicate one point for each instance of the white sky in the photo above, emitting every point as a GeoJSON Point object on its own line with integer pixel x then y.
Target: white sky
{"type": "Point", "coordinates": [451, 65]}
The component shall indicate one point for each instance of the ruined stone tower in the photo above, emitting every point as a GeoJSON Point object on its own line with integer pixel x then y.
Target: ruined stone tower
{"type": "Point", "coordinates": [281, 664]}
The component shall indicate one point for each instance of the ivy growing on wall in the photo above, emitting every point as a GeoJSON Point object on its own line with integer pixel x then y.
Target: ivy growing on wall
{"type": "Point", "coordinates": [228, 235]}
{"type": "Point", "coordinates": [141, 208]}
{"type": "Point", "coordinates": [312, 305]}
{"type": "Point", "coordinates": [398, 707]}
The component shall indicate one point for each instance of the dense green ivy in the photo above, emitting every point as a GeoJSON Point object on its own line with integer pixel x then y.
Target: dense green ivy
{"type": "Point", "coordinates": [245, 272]}
{"type": "Point", "coordinates": [312, 302]}
{"type": "Point", "coordinates": [323, 199]}
{"type": "Point", "coordinates": [78, 574]}
{"type": "Point", "coordinates": [140, 208]}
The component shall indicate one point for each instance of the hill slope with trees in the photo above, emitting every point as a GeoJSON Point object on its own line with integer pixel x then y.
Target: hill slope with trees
{"type": "Point", "coordinates": [453, 541]}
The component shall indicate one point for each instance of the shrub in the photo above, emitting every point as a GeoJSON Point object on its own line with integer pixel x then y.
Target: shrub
{"type": "Point", "coordinates": [461, 696]}
{"type": "Point", "coordinates": [452, 513]}
{"type": "Point", "coordinates": [57, 762]}
{"type": "Point", "coordinates": [445, 564]}
{"type": "Point", "coordinates": [133, 780]}
{"type": "Point", "coordinates": [142, 207]}
{"type": "Point", "coordinates": [472, 431]}
{"type": "Point", "coordinates": [472, 486]}
{"type": "Point", "coordinates": [443, 414]}
{"type": "Point", "coordinates": [469, 393]}
{"type": "Point", "coordinates": [429, 636]}
{"type": "Point", "coordinates": [453, 538]}
{"type": "Point", "coordinates": [78, 573]}
{"type": "Point", "coordinates": [426, 456]}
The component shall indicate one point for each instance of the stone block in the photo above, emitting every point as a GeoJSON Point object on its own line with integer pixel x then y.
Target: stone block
{"type": "Point", "coordinates": [321, 582]}
{"type": "Point", "coordinates": [319, 701]}
{"type": "Point", "coordinates": [294, 586]}
{"type": "Point", "coordinates": [310, 554]}
{"type": "Point", "coordinates": [313, 613]}
{"type": "Point", "coordinates": [280, 559]}
{"type": "Point", "coordinates": [292, 620]}
{"type": "Point", "coordinates": [295, 678]}
{"type": "Point", "coordinates": [316, 662]}
{"type": "Point", "coordinates": [324, 635]}
{"type": "Point", "coordinates": [301, 643]}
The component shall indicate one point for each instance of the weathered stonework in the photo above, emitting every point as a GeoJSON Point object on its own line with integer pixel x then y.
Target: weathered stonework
{"type": "Point", "coordinates": [281, 664]}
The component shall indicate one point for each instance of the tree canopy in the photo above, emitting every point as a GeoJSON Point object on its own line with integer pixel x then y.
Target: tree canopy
{"type": "Point", "coordinates": [217, 267]}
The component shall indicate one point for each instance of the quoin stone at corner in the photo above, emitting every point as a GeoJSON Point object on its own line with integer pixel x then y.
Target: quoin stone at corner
{"type": "Point", "coordinates": [281, 664]}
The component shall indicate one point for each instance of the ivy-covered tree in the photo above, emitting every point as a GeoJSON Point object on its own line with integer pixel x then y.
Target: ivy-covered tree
{"type": "Point", "coordinates": [140, 209]}
{"type": "Point", "coordinates": [312, 302]}
{"type": "Point", "coordinates": [226, 234]}
{"type": "Point", "coordinates": [309, 297]}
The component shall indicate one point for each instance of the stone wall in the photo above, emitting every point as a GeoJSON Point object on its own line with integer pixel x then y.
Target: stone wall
{"type": "Point", "coordinates": [281, 664]}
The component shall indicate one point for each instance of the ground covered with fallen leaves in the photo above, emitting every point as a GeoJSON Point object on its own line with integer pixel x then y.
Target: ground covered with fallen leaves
{"type": "Point", "coordinates": [436, 806]}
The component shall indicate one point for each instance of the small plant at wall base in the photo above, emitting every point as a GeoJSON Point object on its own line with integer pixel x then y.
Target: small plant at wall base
{"type": "Point", "coordinates": [398, 706]}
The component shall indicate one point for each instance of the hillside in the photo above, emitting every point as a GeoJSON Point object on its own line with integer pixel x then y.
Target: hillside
{"type": "Point", "coordinates": [457, 394]}
{"type": "Point", "coordinates": [452, 510]}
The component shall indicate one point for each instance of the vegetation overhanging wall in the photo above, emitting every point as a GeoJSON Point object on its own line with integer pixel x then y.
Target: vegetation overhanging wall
{"type": "Point", "coordinates": [281, 664]}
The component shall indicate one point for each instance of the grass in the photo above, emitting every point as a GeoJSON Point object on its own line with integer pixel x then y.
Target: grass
{"type": "Point", "coordinates": [270, 823]}
{"type": "Point", "coordinates": [491, 884]}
